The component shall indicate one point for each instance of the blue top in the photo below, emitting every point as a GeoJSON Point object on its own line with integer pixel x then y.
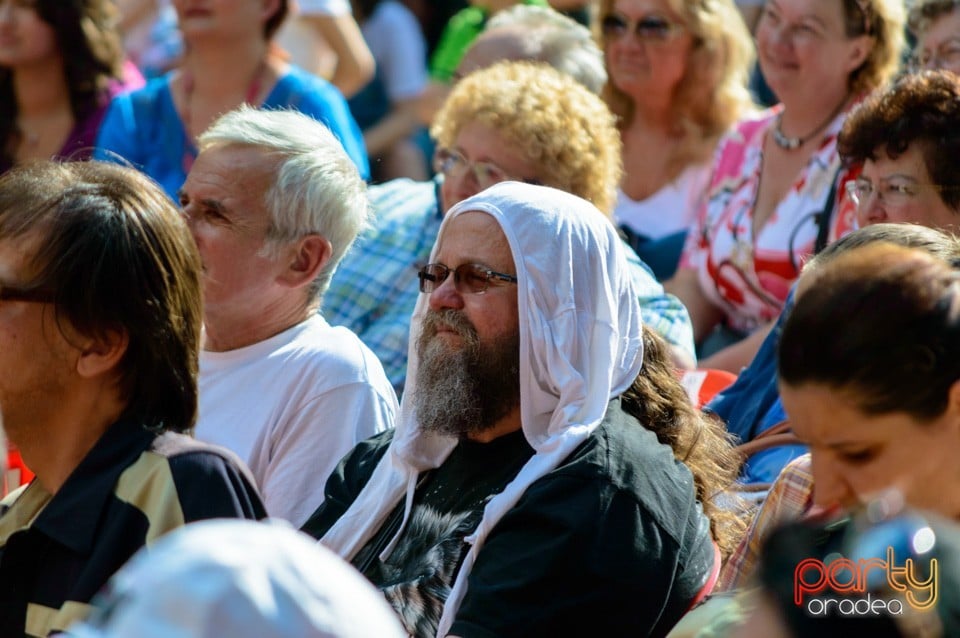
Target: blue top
{"type": "Point", "coordinates": [144, 128]}
{"type": "Point", "coordinates": [752, 405]}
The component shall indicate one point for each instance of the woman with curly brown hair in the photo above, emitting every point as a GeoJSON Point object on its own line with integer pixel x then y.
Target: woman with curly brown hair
{"type": "Point", "coordinates": [60, 64]}
{"type": "Point", "coordinates": [907, 140]}
{"type": "Point", "coordinates": [678, 73]}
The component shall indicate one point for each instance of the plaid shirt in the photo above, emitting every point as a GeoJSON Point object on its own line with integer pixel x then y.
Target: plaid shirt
{"type": "Point", "coordinates": [790, 498]}
{"type": "Point", "coordinates": [375, 288]}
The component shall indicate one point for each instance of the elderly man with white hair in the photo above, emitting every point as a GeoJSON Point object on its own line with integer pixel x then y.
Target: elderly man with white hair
{"type": "Point", "coordinates": [517, 497]}
{"type": "Point", "coordinates": [274, 202]}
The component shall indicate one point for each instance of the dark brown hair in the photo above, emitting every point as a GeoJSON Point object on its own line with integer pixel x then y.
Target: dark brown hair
{"type": "Point", "coordinates": [921, 110]}
{"type": "Point", "coordinates": [118, 256]}
{"type": "Point", "coordinates": [880, 323]}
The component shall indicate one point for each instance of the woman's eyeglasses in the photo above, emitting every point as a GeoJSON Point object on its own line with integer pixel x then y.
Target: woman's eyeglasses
{"type": "Point", "coordinates": [648, 29]}
{"type": "Point", "coordinates": [471, 279]}
{"type": "Point", "coordinates": [452, 163]}
{"type": "Point", "coordinates": [947, 56]}
{"type": "Point", "coordinates": [892, 193]}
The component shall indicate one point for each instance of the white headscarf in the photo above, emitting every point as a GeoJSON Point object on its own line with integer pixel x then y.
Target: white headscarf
{"type": "Point", "coordinates": [580, 346]}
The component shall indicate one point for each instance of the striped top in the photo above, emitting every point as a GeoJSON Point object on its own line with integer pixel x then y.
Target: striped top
{"type": "Point", "coordinates": [57, 551]}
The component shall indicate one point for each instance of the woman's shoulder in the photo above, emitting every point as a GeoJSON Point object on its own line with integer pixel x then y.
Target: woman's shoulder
{"type": "Point", "coordinates": [297, 87]}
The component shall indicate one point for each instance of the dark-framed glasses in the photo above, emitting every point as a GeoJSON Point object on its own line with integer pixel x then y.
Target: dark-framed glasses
{"type": "Point", "coordinates": [472, 279]}
{"type": "Point", "coordinates": [35, 295]}
{"type": "Point", "coordinates": [651, 28]}
{"type": "Point", "coordinates": [891, 193]}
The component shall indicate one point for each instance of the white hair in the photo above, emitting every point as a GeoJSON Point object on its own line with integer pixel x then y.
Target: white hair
{"type": "Point", "coordinates": [551, 37]}
{"type": "Point", "coordinates": [316, 189]}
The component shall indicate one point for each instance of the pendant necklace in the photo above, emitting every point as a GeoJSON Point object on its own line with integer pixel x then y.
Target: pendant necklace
{"type": "Point", "coordinates": [793, 143]}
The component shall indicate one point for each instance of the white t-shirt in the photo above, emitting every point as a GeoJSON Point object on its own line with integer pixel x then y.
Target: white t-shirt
{"type": "Point", "coordinates": [292, 406]}
{"type": "Point", "coordinates": [323, 7]}
{"type": "Point", "coordinates": [671, 209]}
{"type": "Point", "coordinates": [399, 49]}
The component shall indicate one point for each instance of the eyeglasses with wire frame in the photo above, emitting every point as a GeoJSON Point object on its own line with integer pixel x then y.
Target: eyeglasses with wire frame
{"type": "Point", "coordinates": [894, 194]}
{"type": "Point", "coordinates": [452, 163]}
{"type": "Point", "coordinates": [946, 56]}
{"type": "Point", "coordinates": [472, 279]}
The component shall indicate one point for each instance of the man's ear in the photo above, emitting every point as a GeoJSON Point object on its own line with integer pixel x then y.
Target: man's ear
{"type": "Point", "coordinates": [101, 354]}
{"type": "Point", "coordinates": [307, 257]}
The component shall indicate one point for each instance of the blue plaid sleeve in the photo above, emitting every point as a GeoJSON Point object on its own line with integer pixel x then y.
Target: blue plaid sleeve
{"type": "Point", "coordinates": [375, 288]}
{"type": "Point", "coordinates": [661, 311]}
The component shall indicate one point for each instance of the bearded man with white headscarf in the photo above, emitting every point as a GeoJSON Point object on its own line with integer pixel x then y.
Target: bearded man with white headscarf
{"type": "Point", "coordinates": [515, 496]}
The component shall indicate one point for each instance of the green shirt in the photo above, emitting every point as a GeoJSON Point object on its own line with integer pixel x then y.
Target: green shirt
{"type": "Point", "coordinates": [457, 36]}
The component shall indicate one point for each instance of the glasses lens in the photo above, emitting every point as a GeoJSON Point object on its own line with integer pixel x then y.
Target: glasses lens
{"type": "Point", "coordinates": [431, 276]}
{"type": "Point", "coordinates": [447, 161]}
{"type": "Point", "coordinates": [488, 174]}
{"type": "Point", "coordinates": [859, 191]}
{"type": "Point", "coordinates": [654, 29]}
{"type": "Point", "coordinates": [472, 278]}
{"type": "Point", "coordinates": [899, 194]}
{"type": "Point", "coordinates": [613, 26]}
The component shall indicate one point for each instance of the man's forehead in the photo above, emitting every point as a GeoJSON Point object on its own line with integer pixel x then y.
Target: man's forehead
{"type": "Point", "coordinates": [229, 174]}
{"type": "Point", "coordinates": [475, 236]}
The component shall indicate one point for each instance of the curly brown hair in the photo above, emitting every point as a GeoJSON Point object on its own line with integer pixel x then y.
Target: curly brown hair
{"type": "Point", "coordinates": [551, 118]}
{"type": "Point", "coordinates": [920, 110]}
{"type": "Point", "coordinates": [702, 443]}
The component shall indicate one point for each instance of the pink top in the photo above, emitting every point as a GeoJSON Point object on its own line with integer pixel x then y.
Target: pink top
{"type": "Point", "coordinates": [749, 277]}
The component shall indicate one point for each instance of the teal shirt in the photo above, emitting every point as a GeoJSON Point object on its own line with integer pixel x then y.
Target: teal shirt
{"type": "Point", "coordinates": [460, 32]}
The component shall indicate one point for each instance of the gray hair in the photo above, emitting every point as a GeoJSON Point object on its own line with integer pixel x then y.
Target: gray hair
{"type": "Point", "coordinates": [551, 37]}
{"type": "Point", "coordinates": [317, 189]}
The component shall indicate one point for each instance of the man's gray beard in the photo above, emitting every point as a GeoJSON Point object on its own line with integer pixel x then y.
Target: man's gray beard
{"type": "Point", "coordinates": [466, 390]}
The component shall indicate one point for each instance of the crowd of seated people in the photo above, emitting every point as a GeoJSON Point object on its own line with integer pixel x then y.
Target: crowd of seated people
{"type": "Point", "coordinates": [488, 410]}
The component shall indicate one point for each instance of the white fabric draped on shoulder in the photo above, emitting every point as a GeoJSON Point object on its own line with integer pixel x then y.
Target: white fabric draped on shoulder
{"type": "Point", "coordinates": [580, 346]}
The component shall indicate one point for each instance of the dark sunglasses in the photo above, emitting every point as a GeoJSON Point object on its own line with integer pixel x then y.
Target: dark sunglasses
{"type": "Point", "coordinates": [652, 28]}
{"type": "Point", "coordinates": [467, 278]}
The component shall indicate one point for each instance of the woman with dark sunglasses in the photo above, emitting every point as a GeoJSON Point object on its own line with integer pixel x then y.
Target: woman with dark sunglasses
{"type": "Point", "coordinates": [677, 82]}
{"type": "Point", "coordinates": [771, 198]}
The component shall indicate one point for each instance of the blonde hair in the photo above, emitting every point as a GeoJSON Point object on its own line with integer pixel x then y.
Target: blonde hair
{"type": "Point", "coordinates": [884, 21]}
{"type": "Point", "coordinates": [713, 93]}
{"type": "Point", "coordinates": [552, 120]}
